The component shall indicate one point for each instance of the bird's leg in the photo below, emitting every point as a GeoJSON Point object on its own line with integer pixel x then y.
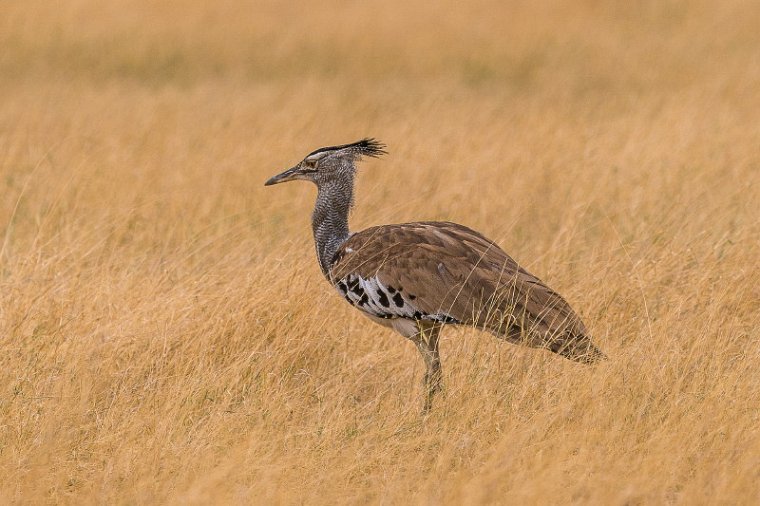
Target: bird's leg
{"type": "Point", "coordinates": [434, 377]}
{"type": "Point", "coordinates": [427, 343]}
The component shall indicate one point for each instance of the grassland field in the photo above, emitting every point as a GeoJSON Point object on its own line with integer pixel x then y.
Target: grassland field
{"type": "Point", "coordinates": [166, 336]}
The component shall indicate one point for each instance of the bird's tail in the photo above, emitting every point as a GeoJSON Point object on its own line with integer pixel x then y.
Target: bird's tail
{"type": "Point", "coordinates": [577, 348]}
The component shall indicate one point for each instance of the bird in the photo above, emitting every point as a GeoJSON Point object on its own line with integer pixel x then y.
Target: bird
{"type": "Point", "coordinates": [419, 277]}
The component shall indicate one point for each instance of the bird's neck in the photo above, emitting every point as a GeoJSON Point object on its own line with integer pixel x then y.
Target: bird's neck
{"type": "Point", "coordinates": [330, 219]}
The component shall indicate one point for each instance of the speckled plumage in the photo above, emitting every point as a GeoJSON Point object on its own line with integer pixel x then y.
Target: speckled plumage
{"type": "Point", "coordinates": [418, 277]}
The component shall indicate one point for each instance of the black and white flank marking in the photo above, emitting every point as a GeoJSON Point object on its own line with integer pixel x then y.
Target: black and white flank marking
{"type": "Point", "coordinates": [385, 302]}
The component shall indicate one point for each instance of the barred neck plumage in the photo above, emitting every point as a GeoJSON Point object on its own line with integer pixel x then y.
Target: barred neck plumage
{"type": "Point", "coordinates": [330, 218]}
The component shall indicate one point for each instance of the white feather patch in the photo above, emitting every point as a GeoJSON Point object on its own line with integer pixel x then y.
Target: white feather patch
{"type": "Point", "coordinates": [374, 298]}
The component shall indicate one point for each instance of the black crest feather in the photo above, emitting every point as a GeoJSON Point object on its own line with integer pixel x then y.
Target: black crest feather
{"type": "Point", "coordinates": [365, 147]}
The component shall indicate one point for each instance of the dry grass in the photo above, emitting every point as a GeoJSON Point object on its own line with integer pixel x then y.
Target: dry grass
{"type": "Point", "coordinates": [166, 336]}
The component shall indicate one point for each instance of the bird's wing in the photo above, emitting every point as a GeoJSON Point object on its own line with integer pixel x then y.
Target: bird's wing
{"type": "Point", "coordinates": [446, 272]}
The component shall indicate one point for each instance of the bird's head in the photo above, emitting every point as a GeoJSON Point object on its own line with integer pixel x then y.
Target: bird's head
{"type": "Point", "coordinates": [331, 163]}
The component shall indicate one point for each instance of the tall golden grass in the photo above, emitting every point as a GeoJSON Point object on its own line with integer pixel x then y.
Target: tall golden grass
{"type": "Point", "coordinates": [166, 334]}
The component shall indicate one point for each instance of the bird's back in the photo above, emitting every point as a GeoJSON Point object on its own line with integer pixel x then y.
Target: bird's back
{"type": "Point", "coordinates": [446, 272]}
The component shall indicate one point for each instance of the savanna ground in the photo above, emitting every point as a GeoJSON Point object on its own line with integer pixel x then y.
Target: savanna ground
{"type": "Point", "coordinates": [166, 335]}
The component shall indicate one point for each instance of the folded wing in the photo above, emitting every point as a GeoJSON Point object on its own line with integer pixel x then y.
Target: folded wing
{"type": "Point", "coordinates": [445, 272]}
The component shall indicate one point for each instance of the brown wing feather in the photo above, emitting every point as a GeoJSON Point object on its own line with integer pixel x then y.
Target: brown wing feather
{"type": "Point", "coordinates": [443, 267]}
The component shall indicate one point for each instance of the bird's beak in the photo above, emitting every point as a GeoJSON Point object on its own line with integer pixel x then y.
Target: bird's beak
{"type": "Point", "coordinates": [288, 175]}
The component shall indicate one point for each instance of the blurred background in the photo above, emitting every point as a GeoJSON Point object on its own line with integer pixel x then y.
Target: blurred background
{"type": "Point", "coordinates": [165, 333]}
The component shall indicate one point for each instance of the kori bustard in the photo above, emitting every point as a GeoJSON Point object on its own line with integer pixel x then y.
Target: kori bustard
{"type": "Point", "coordinates": [418, 277]}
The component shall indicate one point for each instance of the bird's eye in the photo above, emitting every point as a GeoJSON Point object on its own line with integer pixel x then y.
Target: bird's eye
{"type": "Point", "coordinates": [310, 164]}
